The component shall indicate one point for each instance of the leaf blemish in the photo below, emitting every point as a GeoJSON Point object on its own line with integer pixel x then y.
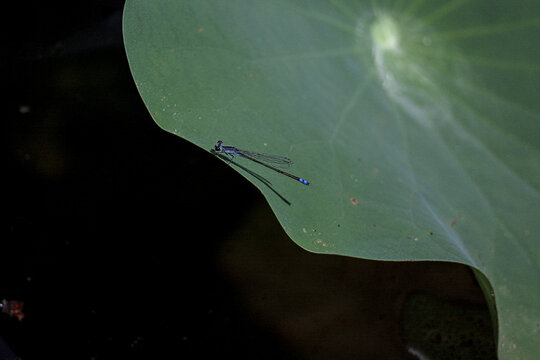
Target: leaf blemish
{"type": "Point", "coordinates": [321, 243]}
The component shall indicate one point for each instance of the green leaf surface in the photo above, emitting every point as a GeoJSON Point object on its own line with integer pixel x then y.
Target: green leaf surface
{"type": "Point", "coordinates": [417, 124]}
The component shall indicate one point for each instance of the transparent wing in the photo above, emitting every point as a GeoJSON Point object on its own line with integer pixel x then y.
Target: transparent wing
{"type": "Point", "coordinates": [277, 160]}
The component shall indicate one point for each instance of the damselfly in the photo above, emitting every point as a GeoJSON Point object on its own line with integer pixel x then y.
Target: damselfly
{"type": "Point", "coordinates": [263, 159]}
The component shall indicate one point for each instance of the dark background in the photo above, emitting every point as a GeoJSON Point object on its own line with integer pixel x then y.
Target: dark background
{"type": "Point", "coordinates": [109, 223]}
{"type": "Point", "coordinates": [125, 241]}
